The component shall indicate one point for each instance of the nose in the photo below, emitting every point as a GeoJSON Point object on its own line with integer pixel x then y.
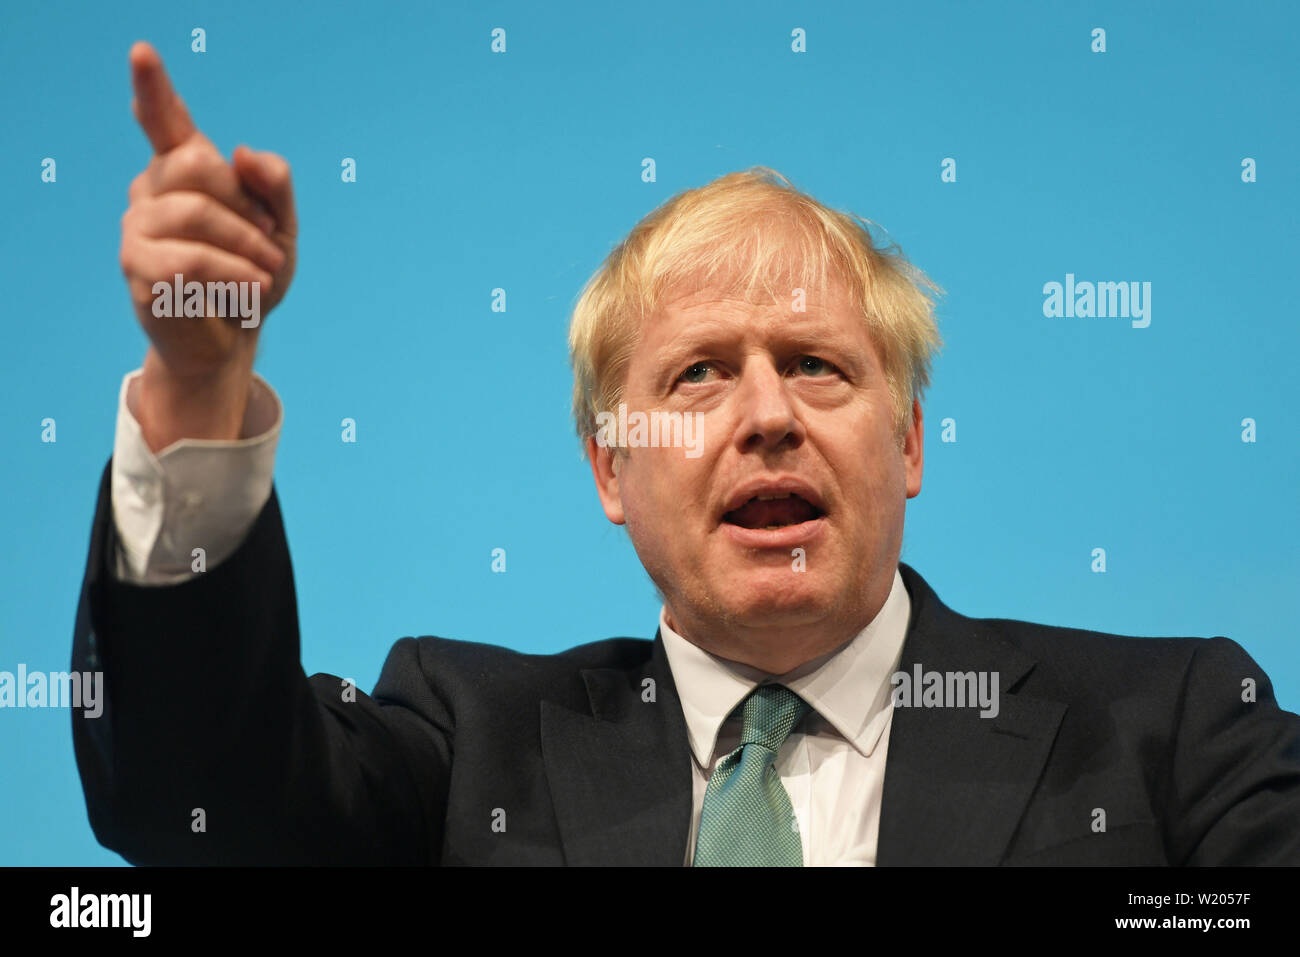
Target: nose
{"type": "Point", "coordinates": [767, 415]}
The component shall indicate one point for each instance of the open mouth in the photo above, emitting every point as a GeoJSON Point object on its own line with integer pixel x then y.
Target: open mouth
{"type": "Point", "coordinates": [773, 511]}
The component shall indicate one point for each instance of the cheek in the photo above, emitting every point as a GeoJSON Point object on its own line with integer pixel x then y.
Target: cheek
{"type": "Point", "coordinates": [640, 489]}
{"type": "Point", "coordinates": [658, 494]}
{"type": "Point", "coordinates": [879, 491]}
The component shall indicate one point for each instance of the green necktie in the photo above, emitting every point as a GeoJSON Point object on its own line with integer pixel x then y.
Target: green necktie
{"type": "Point", "coordinates": [747, 819]}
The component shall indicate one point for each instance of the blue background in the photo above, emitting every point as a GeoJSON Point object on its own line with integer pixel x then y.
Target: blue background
{"type": "Point", "coordinates": [478, 170]}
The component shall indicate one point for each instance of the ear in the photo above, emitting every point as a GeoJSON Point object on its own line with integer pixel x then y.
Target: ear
{"type": "Point", "coordinates": [604, 469]}
{"type": "Point", "coordinates": [914, 451]}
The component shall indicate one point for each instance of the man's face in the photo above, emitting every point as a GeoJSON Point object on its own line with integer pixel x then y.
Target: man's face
{"type": "Point", "coordinates": [787, 402]}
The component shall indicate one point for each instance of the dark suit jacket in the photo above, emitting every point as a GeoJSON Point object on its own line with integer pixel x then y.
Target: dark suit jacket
{"type": "Point", "coordinates": [474, 754]}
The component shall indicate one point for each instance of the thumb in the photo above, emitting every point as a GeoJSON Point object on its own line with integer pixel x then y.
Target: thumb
{"type": "Point", "coordinates": [268, 177]}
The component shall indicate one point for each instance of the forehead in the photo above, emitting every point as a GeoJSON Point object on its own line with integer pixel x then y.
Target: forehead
{"type": "Point", "coordinates": [712, 324]}
{"type": "Point", "coordinates": [716, 311]}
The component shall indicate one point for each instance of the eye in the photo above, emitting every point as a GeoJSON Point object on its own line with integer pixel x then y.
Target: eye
{"type": "Point", "coordinates": [814, 365]}
{"type": "Point", "coordinates": [695, 372]}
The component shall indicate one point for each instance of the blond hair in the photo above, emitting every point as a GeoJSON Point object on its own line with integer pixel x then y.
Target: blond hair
{"type": "Point", "coordinates": [731, 236]}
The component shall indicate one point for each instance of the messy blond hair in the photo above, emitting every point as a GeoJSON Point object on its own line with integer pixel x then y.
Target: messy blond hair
{"type": "Point", "coordinates": [731, 236]}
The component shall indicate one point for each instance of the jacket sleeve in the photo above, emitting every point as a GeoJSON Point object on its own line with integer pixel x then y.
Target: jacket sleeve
{"type": "Point", "coordinates": [214, 747]}
{"type": "Point", "coordinates": [1236, 765]}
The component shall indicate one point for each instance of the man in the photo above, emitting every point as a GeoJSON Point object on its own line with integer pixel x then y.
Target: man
{"type": "Point", "coordinates": [807, 699]}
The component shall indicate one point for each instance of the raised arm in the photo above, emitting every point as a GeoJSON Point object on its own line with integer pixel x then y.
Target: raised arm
{"type": "Point", "coordinates": [212, 746]}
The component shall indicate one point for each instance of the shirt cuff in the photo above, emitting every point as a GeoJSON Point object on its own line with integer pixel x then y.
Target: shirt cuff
{"type": "Point", "coordinates": [185, 510]}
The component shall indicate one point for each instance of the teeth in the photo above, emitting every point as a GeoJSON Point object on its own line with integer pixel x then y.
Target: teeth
{"type": "Point", "coordinates": [768, 498]}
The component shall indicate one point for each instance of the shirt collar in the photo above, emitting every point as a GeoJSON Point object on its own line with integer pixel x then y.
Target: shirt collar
{"type": "Point", "coordinates": [849, 687]}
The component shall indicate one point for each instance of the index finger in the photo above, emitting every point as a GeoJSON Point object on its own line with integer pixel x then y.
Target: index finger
{"type": "Point", "coordinates": [161, 112]}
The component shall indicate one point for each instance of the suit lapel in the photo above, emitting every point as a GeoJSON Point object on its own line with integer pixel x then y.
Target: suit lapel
{"type": "Point", "coordinates": [956, 784]}
{"type": "Point", "coordinates": [620, 777]}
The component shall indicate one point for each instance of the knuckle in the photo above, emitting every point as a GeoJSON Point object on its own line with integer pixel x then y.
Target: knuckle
{"type": "Point", "coordinates": [191, 209]}
{"type": "Point", "coordinates": [188, 167]}
{"type": "Point", "coordinates": [138, 187]}
{"type": "Point", "coordinates": [189, 263]}
{"type": "Point", "coordinates": [251, 244]}
{"type": "Point", "coordinates": [135, 266]}
{"type": "Point", "coordinates": [141, 217]}
{"type": "Point", "coordinates": [246, 209]}
{"type": "Point", "coordinates": [141, 289]}
{"type": "Point", "coordinates": [190, 162]}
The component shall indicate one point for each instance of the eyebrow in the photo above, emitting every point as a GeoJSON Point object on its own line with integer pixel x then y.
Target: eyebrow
{"type": "Point", "coordinates": [700, 336]}
{"type": "Point", "coordinates": [703, 336]}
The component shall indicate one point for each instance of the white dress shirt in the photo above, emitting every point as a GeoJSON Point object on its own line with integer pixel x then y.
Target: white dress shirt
{"type": "Point", "coordinates": [203, 493]}
{"type": "Point", "coordinates": [833, 762]}
{"type": "Point", "coordinates": [195, 493]}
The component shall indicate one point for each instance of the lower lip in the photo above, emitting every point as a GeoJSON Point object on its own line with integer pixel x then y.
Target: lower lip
{"type": "Point", "coordinates": [788, 536]}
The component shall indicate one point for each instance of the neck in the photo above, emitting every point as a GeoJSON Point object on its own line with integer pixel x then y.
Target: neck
{"type": "Point", "coordinates": [774, 650]}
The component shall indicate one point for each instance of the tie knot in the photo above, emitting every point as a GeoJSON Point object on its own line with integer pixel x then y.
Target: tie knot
{"type": "Point", "coordinates": [771, 712]}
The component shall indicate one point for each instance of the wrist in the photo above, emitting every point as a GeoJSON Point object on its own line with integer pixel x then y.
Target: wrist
{"type": "Point", "coordinates": [207, 404]}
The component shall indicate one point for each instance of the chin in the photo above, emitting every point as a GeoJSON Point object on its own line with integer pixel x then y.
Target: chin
{"type": "Point", "coordinates": [779, 599]}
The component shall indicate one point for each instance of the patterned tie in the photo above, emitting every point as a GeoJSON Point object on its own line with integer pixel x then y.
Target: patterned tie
{"type": "Point", "coordinates": [747, 819]}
